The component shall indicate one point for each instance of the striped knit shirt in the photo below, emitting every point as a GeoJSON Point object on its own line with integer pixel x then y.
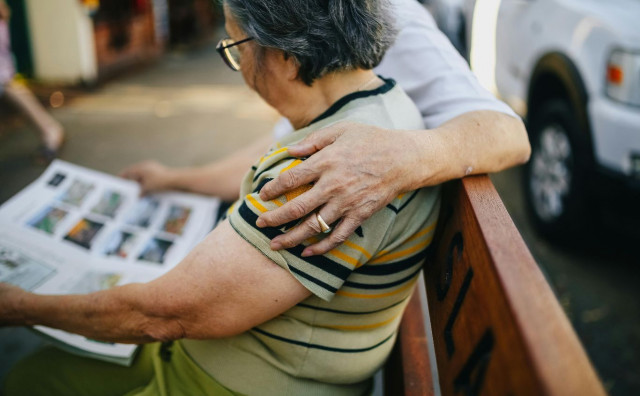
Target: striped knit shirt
{"type": "Point", "coordinates": [334, 341]}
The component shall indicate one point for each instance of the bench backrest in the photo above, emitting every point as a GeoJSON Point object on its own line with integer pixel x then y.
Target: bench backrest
{"type": "Point", "coordinates": [497, 327]}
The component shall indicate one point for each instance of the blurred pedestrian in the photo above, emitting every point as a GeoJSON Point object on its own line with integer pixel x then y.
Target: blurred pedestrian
{"type": "Point", "coordinates": [51, 131]}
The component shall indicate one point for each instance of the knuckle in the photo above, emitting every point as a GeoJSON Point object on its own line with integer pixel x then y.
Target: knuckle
{"type": "Point", "coordinates": [287, 241]}
{"type": "Point", "coordinates": [339, 236]}
{"type": "Point", "coordinates": [313, 136]}
{"type": "Point", "coordinates": [289, 179]}
{"type": "Point", "coordinates": [366, 210]}
{"type": "Point", "coordinates": [340, 188]}
{"type": "Point", "coordinates": [298, 209]}
{"type": "Point", "coordinates": [313, 225]}
{"type": "Point", "coordinates": [328, 158]}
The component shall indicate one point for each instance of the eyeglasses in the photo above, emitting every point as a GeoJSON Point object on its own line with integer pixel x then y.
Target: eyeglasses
{"type": "Point", "coordinates": [229, 52]}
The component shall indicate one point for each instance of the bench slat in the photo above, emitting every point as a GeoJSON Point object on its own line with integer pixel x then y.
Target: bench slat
{"type": "Point", "coordinates": [497, 326]}
{"type": "Point", "coordinates": [408, 372]}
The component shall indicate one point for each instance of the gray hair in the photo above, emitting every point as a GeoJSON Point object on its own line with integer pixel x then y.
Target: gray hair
{"type": "Point", "coordinates": [322, 36]}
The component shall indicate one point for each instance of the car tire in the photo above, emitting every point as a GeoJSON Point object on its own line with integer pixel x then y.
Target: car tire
{"type": "Point", "coordinates": [554, 179]}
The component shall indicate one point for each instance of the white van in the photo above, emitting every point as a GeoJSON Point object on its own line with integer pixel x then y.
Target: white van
{"type": "Point", "coordinates": [571, 68]}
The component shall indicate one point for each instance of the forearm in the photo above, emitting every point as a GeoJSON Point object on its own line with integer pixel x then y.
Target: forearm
{"type": "Point", "coordinates": [114, 315]}
{"type": "Point", "coordinates": [221, 178]}
{"type": "Point", "coordinates": [473, 143]}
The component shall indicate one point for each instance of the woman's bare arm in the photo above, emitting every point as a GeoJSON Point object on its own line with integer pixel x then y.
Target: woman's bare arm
{"type": "Point", "coordinates": [358, 169]}
{"type": "Point", "coordinates": [223, 287]}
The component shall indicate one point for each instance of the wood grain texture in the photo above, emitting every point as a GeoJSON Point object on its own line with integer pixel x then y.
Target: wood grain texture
{"type": "Point", "coordinates": [497, 326]}
{"type": "Point", "coordinates": [408, 372]}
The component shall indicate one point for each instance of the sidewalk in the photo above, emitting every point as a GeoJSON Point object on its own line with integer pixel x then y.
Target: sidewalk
{"type": "Point", "coordinates": [187, 109]}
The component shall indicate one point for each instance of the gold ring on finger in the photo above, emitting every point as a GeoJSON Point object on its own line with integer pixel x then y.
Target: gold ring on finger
{"type": "Point", "coordinates": [323, 225]}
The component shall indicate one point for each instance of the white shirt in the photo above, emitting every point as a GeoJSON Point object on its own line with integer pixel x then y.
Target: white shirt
{"type": "Point", "coordinates": [427, 66]}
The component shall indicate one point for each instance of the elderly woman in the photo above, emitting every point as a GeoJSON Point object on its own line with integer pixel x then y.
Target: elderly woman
{"type": "Point", "coordinates": [251, 320]}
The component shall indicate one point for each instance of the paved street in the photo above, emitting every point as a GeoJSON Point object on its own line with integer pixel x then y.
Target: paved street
{"type": "Point", "coordinates": [189, 109]}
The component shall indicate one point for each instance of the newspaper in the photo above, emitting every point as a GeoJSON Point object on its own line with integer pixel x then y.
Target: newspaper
{"type": "Point", "coordinates": [76, 230]}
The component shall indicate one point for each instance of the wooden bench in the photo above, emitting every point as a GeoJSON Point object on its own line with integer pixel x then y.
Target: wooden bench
{"type": "Point", "coordinates": [497, 326]}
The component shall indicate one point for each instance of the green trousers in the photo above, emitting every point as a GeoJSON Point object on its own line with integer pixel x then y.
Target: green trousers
{"type": "Point", "coordinates": [158, 370]}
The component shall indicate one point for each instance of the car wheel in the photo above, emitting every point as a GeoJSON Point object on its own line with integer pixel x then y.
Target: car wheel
{"type": "Point", "coordinates": [554, 177]}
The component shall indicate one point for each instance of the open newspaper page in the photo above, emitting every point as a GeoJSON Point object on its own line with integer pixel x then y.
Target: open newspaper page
{"type": "Point", "coordinates": [75, 230]}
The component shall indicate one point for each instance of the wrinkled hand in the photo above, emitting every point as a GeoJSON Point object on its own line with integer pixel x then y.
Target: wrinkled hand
{"type": "Point", "coordinates": [9, 297]}
{"type": "Point", "coordinates": [151, 175]}
{"type": "Point", "coordinates": [356, 170]}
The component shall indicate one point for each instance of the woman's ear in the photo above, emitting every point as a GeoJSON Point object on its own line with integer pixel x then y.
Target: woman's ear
{"type": "Point", "coordinates": [291, 66]}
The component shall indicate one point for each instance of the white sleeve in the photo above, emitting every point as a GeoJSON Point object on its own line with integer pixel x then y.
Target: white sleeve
{"type": "Point", "coordinates": [426, 65]}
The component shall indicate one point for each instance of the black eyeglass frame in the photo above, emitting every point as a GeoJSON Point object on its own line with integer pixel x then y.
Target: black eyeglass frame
{"type": "Point", "coordinates": [225, 54]}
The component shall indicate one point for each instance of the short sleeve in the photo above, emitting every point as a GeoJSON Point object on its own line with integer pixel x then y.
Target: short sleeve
{"type": "Point", "coordinates": [429, 69]}
{"type": "Point", "coordinates": [322, 275]}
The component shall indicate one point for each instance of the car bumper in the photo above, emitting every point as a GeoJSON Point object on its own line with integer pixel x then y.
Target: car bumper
{"type": "Point", "coordinates": [616, 137]}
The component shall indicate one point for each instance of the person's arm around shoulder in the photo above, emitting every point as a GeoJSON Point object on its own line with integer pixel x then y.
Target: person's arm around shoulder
{"type": "Point", "coordinates": [358, 169]}
{"type": "Point", "coordinates": [222, 288]}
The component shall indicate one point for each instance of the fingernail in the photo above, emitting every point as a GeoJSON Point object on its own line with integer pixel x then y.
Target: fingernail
{"type": "Point", "coordinates": [307, 253]}
{"type": "Point", "coordinates": [260, 223]}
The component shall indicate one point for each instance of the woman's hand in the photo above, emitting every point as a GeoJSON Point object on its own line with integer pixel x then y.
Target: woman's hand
{"type": "Point", "coordinates": [359, 170]}
{"type": "Point", "coordinates": [151, 175]}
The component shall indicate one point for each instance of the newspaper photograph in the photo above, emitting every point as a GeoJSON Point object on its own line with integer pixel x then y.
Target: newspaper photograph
{"type": "Point", "coordinates": [76, 230]}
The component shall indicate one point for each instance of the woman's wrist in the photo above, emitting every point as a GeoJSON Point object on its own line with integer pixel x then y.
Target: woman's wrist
{"type": "Point", "coordinates": [188, 178]}
{"type": "Point", "coordinates": [13, 304]}
{"type": "Point", "coordinates": [175, 179]}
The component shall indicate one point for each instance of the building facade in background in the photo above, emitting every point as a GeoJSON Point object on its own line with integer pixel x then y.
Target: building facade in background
{"type": "Point", "coordinates": [84, 41]}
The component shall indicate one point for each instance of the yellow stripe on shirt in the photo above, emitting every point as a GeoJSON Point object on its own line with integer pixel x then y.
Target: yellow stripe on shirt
{"type": "Point", "coordinates": [291, 165]}
{"type": "Point", "coordinates": [364, 327]}
{"type": "Point", "coordinates": [358, 248]}
{"type": "Point", "coordinates": [344, 257]}
{"type": "Point", "coordinates": [282, 150]}
{"type": "Point", "coordinates": [255, 203]}
{"type": "Point", "coordinates": [402, 253]}
{"type": "Point", "coordinates": [426, 230]}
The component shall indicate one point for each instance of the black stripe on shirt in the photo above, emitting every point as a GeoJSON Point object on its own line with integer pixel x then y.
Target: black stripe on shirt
{"type": "Point", "coordinates": [313, 279]}
{"type": "Point", "coordinates": [349, 312]}
{"type": "Point", "coordinates": [322, 262]}
{"type": "Point", "coordinates": [391, 268]}
{"type": "Point", "coordinates": [322, 347]}
{"type": "Point", "coordinates": [261, 184]}
{"type": "Point", "coordinates": [257, 175]}
{"type": "Point", "coordinates": [404, 205]}
{"type": "Point", "coordinates": [340, 103]}
{"type": "Point", "coordinates": [373, 286]}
